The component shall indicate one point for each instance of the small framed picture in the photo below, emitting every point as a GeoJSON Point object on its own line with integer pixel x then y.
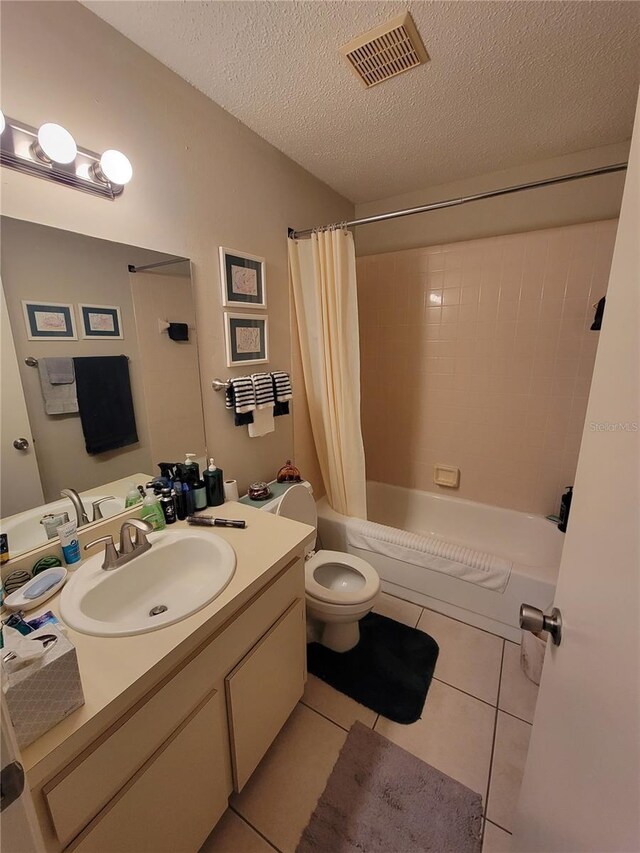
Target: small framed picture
{"type": "Point", "coordinates": [49, 320]}
{"type": "Point", "coordinates": [243, 279]}
{"type": "Point", "coordinates": [101, 321]}
{"type": "Point", "coordinates": [246, 338]}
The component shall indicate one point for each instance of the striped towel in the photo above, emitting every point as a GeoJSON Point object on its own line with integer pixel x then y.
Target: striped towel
{"type": "Point", "coordinates": [282, 384]}
{"type": "Point", "coordinates": [263, 387]}
{"type": "Point", "coordinates": [240, 397]}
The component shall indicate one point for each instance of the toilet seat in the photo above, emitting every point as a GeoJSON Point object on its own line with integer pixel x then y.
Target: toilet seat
{"type": "Point", "coordinates": [362, 586]}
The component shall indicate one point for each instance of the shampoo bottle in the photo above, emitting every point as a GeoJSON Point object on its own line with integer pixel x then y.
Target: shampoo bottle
{"type": "Point", "coordinates": [152, 511]}
{"type": "Point", "coordinates": [215, 485]}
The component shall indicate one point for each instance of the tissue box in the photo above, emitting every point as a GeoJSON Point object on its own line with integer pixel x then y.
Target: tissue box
{"type": "Point", "coordinates": [45, 691]}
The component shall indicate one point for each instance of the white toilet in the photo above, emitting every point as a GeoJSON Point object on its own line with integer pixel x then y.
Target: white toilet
{"type": "Point", "coordinates": [340, 588]}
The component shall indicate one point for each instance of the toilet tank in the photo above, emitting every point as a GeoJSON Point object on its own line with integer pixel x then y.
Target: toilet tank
{"type": "Point", "coordinates": [271, 505]}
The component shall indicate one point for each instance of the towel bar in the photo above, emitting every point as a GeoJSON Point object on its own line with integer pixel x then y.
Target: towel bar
{"type": "Point", "coordinates": [30, 361]}
{"type": "Point", "coordinates": [220, 384]}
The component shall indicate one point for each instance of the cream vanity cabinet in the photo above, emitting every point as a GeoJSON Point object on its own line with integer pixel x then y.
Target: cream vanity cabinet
{"type": "Point", "coordinates": [160, 777]}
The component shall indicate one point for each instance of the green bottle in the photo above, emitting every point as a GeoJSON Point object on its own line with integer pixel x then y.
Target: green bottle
{"type": "Point", "coordinates": [152, 511]}
{"type": "Point", "coordinates": [133, 496]}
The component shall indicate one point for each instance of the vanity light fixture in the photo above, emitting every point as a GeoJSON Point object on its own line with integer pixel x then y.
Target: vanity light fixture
{"type": "Point", "coordinates": [50, 152]}
{"type": "Point", "coordinates": [54, 145]}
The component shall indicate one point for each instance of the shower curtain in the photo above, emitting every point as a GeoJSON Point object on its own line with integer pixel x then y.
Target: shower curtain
{"type": "Point", "coordinates": [323, 278]}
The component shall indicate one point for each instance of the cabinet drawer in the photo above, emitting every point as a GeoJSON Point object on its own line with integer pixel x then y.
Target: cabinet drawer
{"type": "Point", "coordinates": [174, 801]}
{"type": "Point", "coordinates": [78, 794]}
{"type": "Point", "coordinates": [263, 690]}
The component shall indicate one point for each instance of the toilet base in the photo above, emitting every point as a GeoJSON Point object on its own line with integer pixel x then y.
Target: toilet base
{"type": "Point", "coordinates": [340, 636]}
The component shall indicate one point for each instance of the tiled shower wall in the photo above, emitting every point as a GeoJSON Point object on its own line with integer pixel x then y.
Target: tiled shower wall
{"type": "Point", "coordinates": [479, 355]}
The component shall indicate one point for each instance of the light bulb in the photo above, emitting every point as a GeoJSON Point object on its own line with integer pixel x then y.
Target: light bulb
{"type": "Point", "coordinates": [3, 123]}
{"type": "Point", "coordinates": [116, 167]}
{"type": "Point", "coordinates": [56, 143]}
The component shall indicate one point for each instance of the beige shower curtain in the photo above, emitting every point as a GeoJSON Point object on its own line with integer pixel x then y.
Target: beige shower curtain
{"type": "Point", "coordinates": [323, 276]}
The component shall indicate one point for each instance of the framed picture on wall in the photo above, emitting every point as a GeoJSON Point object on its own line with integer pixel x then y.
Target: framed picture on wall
{"type": "Point", "coordinates": [243, 279]}
{"type": "Point", "coordinates": [101, 321]}
{"type": "Point", "coordinates": [246, 338]}
{"type": "Point", "coordinates": [50, 321]}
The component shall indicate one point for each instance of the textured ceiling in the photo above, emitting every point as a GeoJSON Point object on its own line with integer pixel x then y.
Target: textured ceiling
{"type": "Point", "coordinates": [508, 82]}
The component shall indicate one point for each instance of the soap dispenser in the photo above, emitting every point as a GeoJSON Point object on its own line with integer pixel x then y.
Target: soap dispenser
{"type": "Point", "coordinates": [214, 484]}
{"type": "Point", "coordinates": [191, 470]}
{"type": "Point", "coordinates": [152, 511]}
{"type": "Point", "coordinates": [133, 496]}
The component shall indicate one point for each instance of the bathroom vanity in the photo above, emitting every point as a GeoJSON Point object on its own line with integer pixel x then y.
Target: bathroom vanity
{"type": "Point", "coordinates": [178, 718]}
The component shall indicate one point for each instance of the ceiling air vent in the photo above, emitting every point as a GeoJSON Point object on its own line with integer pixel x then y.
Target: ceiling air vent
{"type": "Point", "coordinates": [385, 51]}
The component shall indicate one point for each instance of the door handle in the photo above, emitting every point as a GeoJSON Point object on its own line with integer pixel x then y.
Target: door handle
{"type": "Point", "coordinates": [21, 444]}
{"type": "Point", "coordinates": [534, 620]}
{"type": "Point", "coordinates": [11, 784]}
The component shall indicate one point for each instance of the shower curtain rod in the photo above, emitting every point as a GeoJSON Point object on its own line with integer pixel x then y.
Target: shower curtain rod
{"type": "Point", "coordinates": [134, 268]}
{"type": "Point", "coordinates": [453, 202]}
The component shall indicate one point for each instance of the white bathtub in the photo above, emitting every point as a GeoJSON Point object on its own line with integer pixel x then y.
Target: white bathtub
{"type": "Point", "coordinates": [533, 543]}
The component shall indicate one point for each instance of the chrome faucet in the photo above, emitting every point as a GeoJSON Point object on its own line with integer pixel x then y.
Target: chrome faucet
{"type": "Point", "coordinates": [114, 557]}
{"type": "Point", "coordinates": [74, 497]}
{"type": "Point", "coordinates": [81, 515]}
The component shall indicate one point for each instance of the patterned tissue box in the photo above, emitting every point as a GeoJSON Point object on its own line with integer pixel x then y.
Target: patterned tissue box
{"type": "Point", "coordinates": [42, 693]}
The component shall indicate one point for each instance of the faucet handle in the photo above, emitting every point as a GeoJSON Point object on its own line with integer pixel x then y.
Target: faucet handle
{"type": "Point", "coordinates": [110, 553]}
{"type": "Point", "coordinates": [97, 512]}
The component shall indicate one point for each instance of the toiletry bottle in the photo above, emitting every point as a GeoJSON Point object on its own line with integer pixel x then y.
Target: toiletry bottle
{"type": "Point", "coordinates": [215, 485]}
{"type": "Point", "coordinates": [180, 502]}
{"type": "Point", "coordinates": [168, 507]}
{"type": "Point", "coordinates": [188, 498]}
{"type": "Point", "coordinates": [68, 536]}
{"type": "Point", "coordinates": [192, 469]}
{"type": "Point", "coordinates": [199, 493]}
{"type": "Point", "coordinates": [152, 511]}
{"type": "Point", "coordinates": [565, 506]}
{"type": "Point", "coordinates": [133, 496]}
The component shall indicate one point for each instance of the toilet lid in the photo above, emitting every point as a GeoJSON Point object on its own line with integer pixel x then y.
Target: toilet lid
{"type": "Point", "coordinates": [339, 578]}
{"type": "Point", "coordinates": [298, 504]}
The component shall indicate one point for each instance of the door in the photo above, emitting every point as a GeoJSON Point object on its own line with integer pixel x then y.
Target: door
{"type": "Point", "coordinates": [581, 789]}
{"type": "Point", "coordinates": [21, 486]}
{"type": "Point", "coordinates": [19, 830]}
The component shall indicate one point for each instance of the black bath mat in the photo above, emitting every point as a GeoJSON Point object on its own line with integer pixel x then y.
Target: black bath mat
{"type": "Point", "coordinates": [389, 671]}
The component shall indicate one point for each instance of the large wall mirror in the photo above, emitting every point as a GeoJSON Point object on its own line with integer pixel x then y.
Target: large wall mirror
{"type": "Point", "coordinates": [123, 393]}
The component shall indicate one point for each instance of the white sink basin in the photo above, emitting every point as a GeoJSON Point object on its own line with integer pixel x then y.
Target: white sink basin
{"type": "Point", "coordinates": [25, 531]}
{"type": "Point", "coordinates": [182, 572]}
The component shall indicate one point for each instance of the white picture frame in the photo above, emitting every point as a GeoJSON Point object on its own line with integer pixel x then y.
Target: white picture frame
{"type": "Point", "coordinates": [239, 350]}
{"type": "Point", "coordinates": [109, 328]}
{"type": "Point", "coordinates": [243, 278]}
{"type": "Point", "coordinates": [49, 321]}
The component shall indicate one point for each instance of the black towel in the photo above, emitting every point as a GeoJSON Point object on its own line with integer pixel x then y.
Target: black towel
{"type": "Point", "coordinates": [178, 331]}
{"type": "Point", "coordinates": [597, 320]}
{"type": "Point", "coordinates": [105, 402]}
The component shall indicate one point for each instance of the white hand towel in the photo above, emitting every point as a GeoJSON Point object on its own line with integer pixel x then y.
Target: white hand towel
{"type": "Point", "coordinates": [262, 423]}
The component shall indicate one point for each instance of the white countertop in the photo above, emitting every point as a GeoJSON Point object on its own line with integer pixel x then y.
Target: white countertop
{"type": "Point", "coordinates": [117, 671]}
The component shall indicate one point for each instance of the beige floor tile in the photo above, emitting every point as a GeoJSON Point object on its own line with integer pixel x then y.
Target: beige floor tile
{"type": "Point", "coordinates": [282, 793]}
{"type": "Point", "coordinates": [518, 694]}
{"type": "Point", "coordinates": [496, 840]}
{"type": "Point", "coordinates": [468, 659]}
{"type": "Point", "coordinates": [340, 708]}
{"type": "Point", "coordinates": [454, 734]}
{"type": "Point", "coordinates": [509, 756]}
{"type": "Point", "coordinates": [395, 608]}
{"type": "Point", "coordinates": [233, 835]}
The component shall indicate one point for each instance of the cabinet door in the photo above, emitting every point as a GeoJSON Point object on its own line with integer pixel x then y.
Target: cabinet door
{"type": "Point", "coordinates": [264, 689]}
{"type": "Point", "coordinates": [175, 800]}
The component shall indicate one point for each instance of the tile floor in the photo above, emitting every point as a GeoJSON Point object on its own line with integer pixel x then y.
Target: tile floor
{"type": "Point", "coordinates": [475, 727]}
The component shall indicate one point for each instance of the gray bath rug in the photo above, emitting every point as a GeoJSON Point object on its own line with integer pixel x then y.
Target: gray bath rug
{"type": "Point", "coordinates": [381, 799]}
